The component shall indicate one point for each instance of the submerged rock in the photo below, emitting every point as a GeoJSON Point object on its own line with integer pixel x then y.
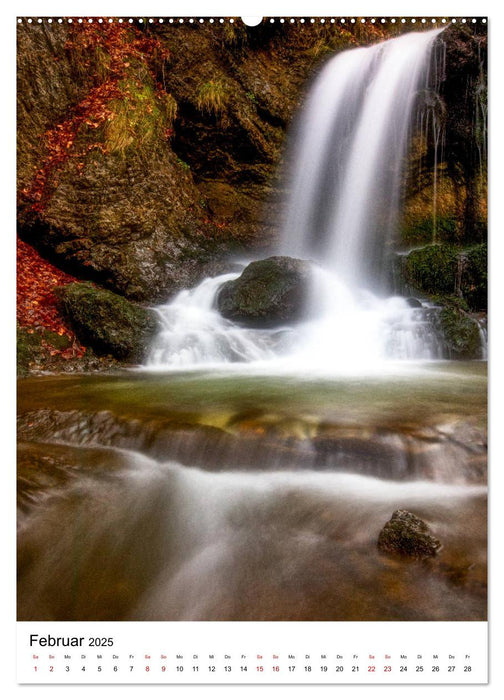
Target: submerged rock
{"type": "Point", "coordinates": [107, 322]}
{"type": "Point", "coordinates": [267, 293]}
{"type": "Point", "coordinates": [407, 535]}
{"type": "Point", "coordinates": [414, 303]}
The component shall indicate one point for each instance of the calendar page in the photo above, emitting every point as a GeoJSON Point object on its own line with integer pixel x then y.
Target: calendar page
{"type": "Point", "coordinates": [252, 349]}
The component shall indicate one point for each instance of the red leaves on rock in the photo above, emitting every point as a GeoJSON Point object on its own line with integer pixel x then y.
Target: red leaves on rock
{"type": "Point", "coordinates": [118, 45]}
{"type": "Point", "coordinates": [37, 307]}
{"type": "Point", "coordinates": [59, 141]}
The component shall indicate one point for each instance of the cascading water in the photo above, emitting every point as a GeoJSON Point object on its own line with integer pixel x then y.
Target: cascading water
{"type": "Point", "coordinates": [345, 189]}
{"type": "Point", "coordinates": [194, 333]}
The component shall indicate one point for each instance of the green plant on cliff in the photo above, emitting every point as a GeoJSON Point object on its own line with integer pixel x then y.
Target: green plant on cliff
{"type": "Point", "coordinates": [421, 230]}
{"type": "Point", "coordinates": [171, 108]}
{"type": "Point", "coordinates": [140, 117]}
{"type": "Point", "coordinates": [233, 35]}
{"type": "Point", "coordinates": [183, 164]}
{"type": "Point", "coordinates": [213, 97]}
{"type": "Point", "coordinates": [320, 48]}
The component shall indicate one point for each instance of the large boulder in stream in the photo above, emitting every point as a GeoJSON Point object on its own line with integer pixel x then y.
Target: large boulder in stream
{"type": "Point", "coordinates": [107, 322]}
{"type": "Point", "coordinates": [407, 535]}
{"type": "Point", "coordinates": [268, 293]}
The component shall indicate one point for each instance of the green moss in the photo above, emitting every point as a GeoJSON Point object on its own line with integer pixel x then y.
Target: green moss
{"type": "Point", "coordinates": [432, 269]}
{"type": "Point", "coordinates": [268, 293]}
{"type": "Point", "coordinates": [59, 342]}
{"type": "Point", "coordinates": [451, 301]}
{"type": "Point", "coordinates": [461, 334]}
{"type": "Point", "coordinates": [34, 348]}
{"type": "Point", "coordinates": [183, 164]}
{"type": "Point", "coordinates": [421, 231]}
{"type": "Point", "coordinates": [450, 276]}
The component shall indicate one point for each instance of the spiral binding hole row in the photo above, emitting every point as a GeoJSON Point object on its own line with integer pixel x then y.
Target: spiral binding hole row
{"type": "Point", "coordinates": [272, 20]}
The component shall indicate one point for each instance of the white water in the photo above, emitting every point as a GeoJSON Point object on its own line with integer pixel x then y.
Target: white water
{"type": "Point", "coordinates": [194, 333]}
{"type": "Point", "coordinates": [345, 190]}
{"type": "Point", "coordinates": [346, 332]}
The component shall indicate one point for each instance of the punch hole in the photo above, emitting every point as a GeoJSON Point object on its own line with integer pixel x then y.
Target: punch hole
{"type": "Point", "coordinates": [251, 21]}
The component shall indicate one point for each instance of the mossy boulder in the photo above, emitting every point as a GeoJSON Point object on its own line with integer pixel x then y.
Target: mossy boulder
{"type": "Point", "coordinates": [107, 322]}
{"type": "Point", "coordinates": [406, 535]}
{"type": "Point", "coordinates": [460, 333]}
{"type": "Point", "coordinates": [444, 271]}
{"type": "Point", "coordinates": [268, 293]}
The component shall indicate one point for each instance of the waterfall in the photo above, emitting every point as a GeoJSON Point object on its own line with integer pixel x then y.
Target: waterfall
{"type": "Point", "coordinates": [348, 155]}
{"type": "Point", "coordinates": [345, 184]}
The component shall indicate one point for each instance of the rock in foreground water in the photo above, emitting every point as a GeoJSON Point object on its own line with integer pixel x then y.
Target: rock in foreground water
{"type": "Point", "coordinates": [407, 535]}
{"type": "Point", "coordinates": [267, 293]}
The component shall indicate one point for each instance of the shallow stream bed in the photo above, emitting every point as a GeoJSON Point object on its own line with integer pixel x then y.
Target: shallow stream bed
{"type": "Point", "coordinates": [250, 495]}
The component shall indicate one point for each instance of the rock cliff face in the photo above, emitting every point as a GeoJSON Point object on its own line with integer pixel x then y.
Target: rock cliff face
{"type": "Point", "coordinates": [445, 193]}
{"type": "Point", "coordinates": [146, 155]}
{"type": "Point", "coordinates": [101, 191]}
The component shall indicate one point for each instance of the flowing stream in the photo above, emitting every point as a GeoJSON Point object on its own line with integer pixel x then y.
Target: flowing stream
{"type": "Point", "coordinates": [245, 474]}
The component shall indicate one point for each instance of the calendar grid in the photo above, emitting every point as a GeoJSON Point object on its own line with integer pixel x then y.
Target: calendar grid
{"type": "Point", "coordinates": [252, 653]}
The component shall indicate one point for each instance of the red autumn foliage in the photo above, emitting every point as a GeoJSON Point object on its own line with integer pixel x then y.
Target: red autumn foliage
{"type": "Point", "coordinates": [37, 307]}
